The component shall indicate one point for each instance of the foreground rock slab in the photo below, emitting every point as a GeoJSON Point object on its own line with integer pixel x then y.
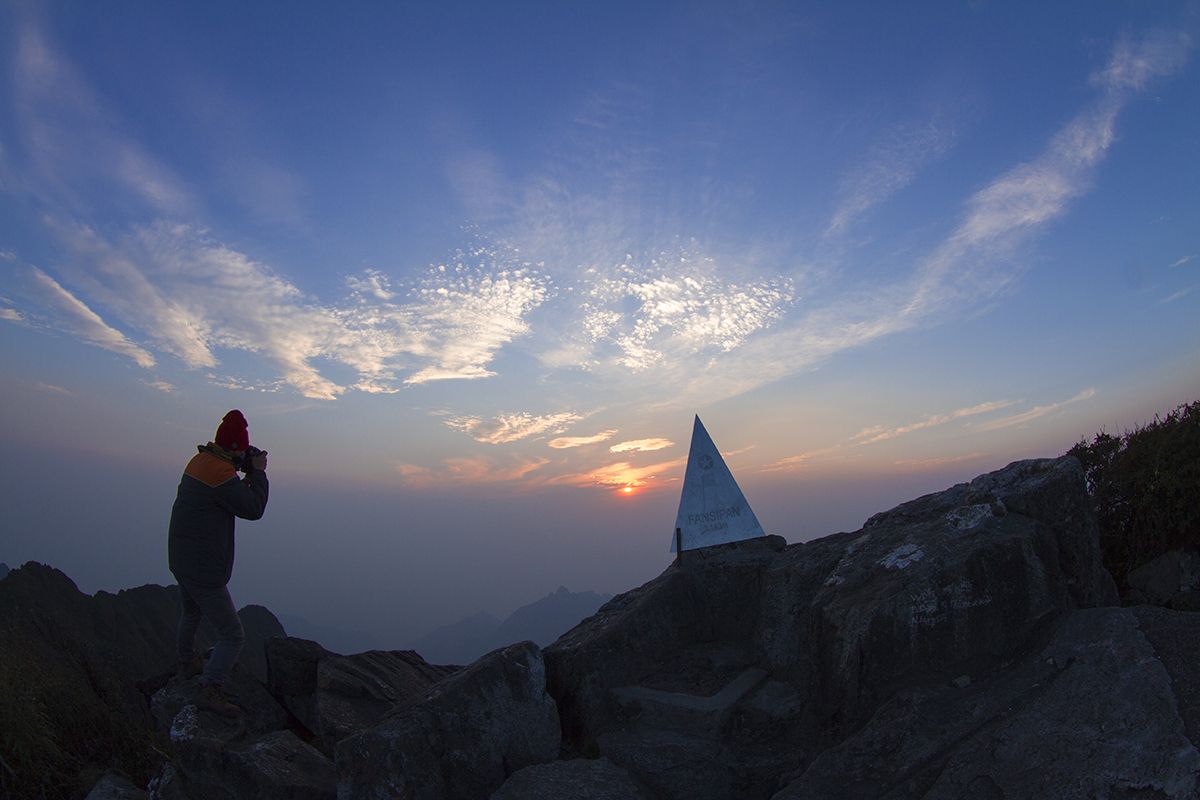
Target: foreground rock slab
{"type": "Point", "coordinates": [250, 754]}
{"type": "Point", "coordinates": [463, 740]}
{"type": "Point", "coordinates": [577, 779]}
{"type": "Point", "coordinates": [1092, 713]}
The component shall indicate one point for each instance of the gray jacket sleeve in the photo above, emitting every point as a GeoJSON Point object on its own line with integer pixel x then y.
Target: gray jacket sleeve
{"type": "Point", "coordinates": [245, 498]}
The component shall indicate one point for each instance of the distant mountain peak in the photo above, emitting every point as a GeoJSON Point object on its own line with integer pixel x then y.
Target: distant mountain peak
{"type": "Point", "coordinates": [541, 622]}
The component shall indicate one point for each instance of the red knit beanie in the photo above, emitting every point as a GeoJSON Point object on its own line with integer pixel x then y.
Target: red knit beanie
{"type": "Point", "coordinates": [232, 434]}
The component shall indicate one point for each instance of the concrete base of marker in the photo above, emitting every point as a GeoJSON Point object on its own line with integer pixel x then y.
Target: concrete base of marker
{"type": "Point", "coordinates": [732, 551]}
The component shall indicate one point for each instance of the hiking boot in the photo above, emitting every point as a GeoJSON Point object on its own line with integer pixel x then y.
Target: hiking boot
{"type": "Point", "coordinates": [213, 698]}
{"type": "Point", "coordinates": [186, 670]}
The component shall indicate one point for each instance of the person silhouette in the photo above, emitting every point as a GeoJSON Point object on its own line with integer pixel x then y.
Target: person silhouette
{"type": "Point", "coordinates": [200, 547]}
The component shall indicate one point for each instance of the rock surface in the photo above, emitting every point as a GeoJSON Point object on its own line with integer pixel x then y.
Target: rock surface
{"type": "Point", "coordinates": [463, 740]}
{"type": "Point", "coordinates": [739, 669]}
{"type": "Point", "coordinates": [578, 779]}
{"type": "Point", "coordinates": [1171, 580]}
{"type": "Point", "coordinates": [1091, 713]}
{"type": "Point", "coordinates": [94, 659]}
{"type": "Point", "coordinates": [114, 786]}
{"type": "Point", "coordinates": [335, 696]}
{"type": "Point", "coordinates": [251, 754]}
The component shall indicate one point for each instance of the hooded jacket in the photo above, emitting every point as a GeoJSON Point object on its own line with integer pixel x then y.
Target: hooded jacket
{"type": "Point", "coordinates": [200, 540]}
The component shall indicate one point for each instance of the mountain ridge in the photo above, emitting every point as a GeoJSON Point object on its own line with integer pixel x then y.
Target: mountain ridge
{"type": "Point", "coordinates": [540, 622]}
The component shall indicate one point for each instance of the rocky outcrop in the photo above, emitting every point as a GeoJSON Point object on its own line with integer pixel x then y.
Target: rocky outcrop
{"type": "Point", "coordinates": [250, 754]}
{"type": "Point", "coordinates": [1089, 713]}
{"type": "Point", "coordinates": [1171, 580]}
{"type": "Point", "coordinates": [951, 584]}
{"type": "Point", "coordinates": [742, 669]}
{"type": "Point", "coordinates": [114, 786]}
{"type": "Point", "coordinates": [463, 740]}
{"type": "Point", "coordinates": [577, 779]}
{"type": "Point", "coordinates": [261, 626]}
{"type": "Point", "coordinates": [88, 662]}
{"type": "Point", "coordinates": [335, 696]}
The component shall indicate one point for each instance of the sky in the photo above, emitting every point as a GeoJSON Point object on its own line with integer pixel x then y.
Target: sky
{"type": "Point", "coordinates": [471, 269]}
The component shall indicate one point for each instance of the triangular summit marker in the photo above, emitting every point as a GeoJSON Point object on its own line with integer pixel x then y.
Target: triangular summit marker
{"type": "Point", "coordinates": [712, 508]}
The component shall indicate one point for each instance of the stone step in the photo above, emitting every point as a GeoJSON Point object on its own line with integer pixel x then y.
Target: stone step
{"type": "Point", "coordinates": [686, 712]}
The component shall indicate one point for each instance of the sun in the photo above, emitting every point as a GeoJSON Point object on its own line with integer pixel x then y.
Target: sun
{"type": "Point", "coordinates": [626, 491]}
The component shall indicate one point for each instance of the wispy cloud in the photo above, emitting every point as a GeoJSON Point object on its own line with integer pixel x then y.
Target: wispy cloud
{"type": "Point", "coordinates": [941, 461]}
{"type": "Point", "coordinates": [70, 138]}
{"type": "Point", "coordinates": [238, 385]}
{"type": "Point", "coordinates": [11, 315]}
{"type": "Point", "coordinates": [1034, 413]}
{"type": "Point", "coordinates": [80, 321]}
{"type": "Point", "coordinates": [973, 263]}
{"type": "Point", "coordinates": [53, 389]}
{"type": "Point", "coordinates": [1134, 62]}
{"type": "Point", "coordinates": [513, 427]}
{"type": "Point", "coordinates": [195, 296]}
{"type": "Point", "coordinates": [890, 165]}
{"type": "Point", "coordinates": [1179, 263]}
{"type": "Point", "coordinates": [675, 306]}
{"type": "Point", "coordinates": [802, 461]}
{"type": "Point", "coordinates": [567, 442]}
{"type": "Point", "coordinates": [641, 446]}
{"type": "Point", "coordinates": [1171, 298]}
{"type": "Point", "coordinates": [475, 471]}
{"type": "Point", "coordinates": [880, 433]}
{"type": "Point", "coordinates": [161, 386]}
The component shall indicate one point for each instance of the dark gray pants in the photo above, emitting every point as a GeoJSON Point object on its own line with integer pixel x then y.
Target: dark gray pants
{"type": "Point", "coordinates": [217, 606]}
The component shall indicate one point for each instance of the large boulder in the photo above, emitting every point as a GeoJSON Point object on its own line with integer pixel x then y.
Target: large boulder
{"type": "Point", "coordinates": [949, 584]}
{"type": "Point", "coordinates": [251, 754]}
{"type": "Point", "coordinates": [335, 696]}
{"type": "Point", "coordinates": [729, 673]}
{"type": "Point", "coordinates": [260, 626]}
{"type": "Point", "coordinates": [88, 663]}
{"type": "Point", "coordinates": [1091, 713]}
{"type": "Point", "coordinates": [292, 676]}
{"type": "Point", "coordinates": [463, 739]}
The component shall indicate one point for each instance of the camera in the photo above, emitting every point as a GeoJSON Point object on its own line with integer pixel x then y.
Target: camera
{"type": "Point", "coordinates": [251, 451]}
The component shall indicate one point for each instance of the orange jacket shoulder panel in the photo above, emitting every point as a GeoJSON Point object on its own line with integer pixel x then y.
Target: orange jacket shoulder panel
{"type": "Point", "coordinates": [209, 470]}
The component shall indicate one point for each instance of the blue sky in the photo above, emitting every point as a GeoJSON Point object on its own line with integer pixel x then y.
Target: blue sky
{"type": "Point", "coordinates": [469, 269]}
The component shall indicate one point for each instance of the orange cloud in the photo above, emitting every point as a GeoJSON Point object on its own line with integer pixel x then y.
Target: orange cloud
{"type": "Point", "coordinates": [640, 446]}
{"type": "Point", "coordinates": [475, 471]}
{"type": "Point", "coordinates": [566, 442]}
{"type": "Point", "coordinates": [623, 473]}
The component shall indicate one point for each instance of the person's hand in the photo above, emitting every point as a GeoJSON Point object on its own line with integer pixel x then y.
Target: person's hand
{"type": "Point", "coordinates": [259, 462]}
